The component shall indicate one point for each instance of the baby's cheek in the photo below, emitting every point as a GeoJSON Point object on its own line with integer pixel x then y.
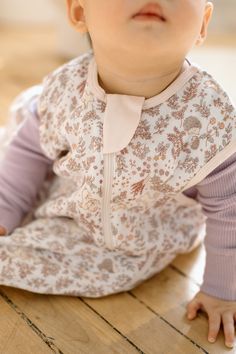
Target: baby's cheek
{"type": "Point", "coordinates": [187, 17]}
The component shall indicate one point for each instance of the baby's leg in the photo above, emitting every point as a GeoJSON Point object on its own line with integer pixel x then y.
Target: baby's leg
{"type": "Point", "coordinates": [56, 256]}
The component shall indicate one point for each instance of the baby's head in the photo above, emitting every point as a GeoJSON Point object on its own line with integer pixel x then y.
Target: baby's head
{"type": "Point", "coordinates": [113, 26]}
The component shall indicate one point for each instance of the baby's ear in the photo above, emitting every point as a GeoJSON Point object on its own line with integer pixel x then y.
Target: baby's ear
{"type": "Point", "coordinates": [75, 13]}
{"type": "Point", "coordinates": [206, 20]}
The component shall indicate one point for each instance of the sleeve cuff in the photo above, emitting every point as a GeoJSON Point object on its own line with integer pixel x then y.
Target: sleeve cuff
{"type": "Point", "coordinates": [220, 273]}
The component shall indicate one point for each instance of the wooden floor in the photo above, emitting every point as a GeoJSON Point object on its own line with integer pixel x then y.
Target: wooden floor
{"type": "Point", "coordinates": [148, 319]}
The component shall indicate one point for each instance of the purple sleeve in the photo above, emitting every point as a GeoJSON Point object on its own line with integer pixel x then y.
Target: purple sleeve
{"type": "Point", "coordinates": [22, 171]}
{"type": "Point", "coordinates": [217, 195]}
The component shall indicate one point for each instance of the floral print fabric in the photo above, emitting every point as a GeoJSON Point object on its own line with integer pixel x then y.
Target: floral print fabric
{"type": "Point", "coordinates": [64, 249]}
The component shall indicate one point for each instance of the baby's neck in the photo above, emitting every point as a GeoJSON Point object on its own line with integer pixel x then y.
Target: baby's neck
{"type": "Point", "coordinates": [115, 78]}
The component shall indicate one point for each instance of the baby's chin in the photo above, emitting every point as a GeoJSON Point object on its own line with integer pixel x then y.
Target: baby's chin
{"type": "Point", "coordinates": [146, 45]}
{"type": "Point", "coordinates": [147, 34]}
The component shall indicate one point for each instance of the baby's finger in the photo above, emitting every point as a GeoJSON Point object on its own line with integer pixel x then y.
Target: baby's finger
{"type": "Point", "coordinates": [228, 324]}
{"type": "Point", "coordinates": [2, 231]}
{"type": "Point", "coordinates": [214, 326]}
{"type": "Point", "coordinates": [192, 309]}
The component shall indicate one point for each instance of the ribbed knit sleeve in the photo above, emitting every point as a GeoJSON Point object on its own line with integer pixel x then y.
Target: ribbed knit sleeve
{"type": "Point", "coordinates": [22, 171]}
{"type": "Point", "coordinates": [217, 195]}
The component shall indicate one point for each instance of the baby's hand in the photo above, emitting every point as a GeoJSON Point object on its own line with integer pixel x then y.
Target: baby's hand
{"type": "Point", "coordinates": [217, 310]}
{"type": "Point", "coordinates": [3, 231]}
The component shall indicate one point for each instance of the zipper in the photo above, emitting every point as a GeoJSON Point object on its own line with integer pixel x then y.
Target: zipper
{"type": "Point", "coordinates": [106, 202]}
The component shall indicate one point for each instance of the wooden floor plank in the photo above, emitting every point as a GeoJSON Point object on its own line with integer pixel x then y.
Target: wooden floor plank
{"type": "Point", "coordinates": [167, 294]}
{"type": "Point", "coordinates": [16, 336]}
{"type": "Point", "coordinates": [141, 325]}
{"type": "Point", "coordinates": [74, 327]}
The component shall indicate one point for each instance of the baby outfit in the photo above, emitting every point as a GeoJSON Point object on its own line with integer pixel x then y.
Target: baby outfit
{"type": "Point", "coordinates": [118, 182]}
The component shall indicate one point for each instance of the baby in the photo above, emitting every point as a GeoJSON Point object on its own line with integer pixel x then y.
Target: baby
{"type": "Point", "coordinates": [132, 148]}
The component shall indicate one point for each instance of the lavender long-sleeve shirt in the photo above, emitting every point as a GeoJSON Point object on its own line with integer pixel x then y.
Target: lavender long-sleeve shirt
{"type": "Point", "coordinates": [26, 162]}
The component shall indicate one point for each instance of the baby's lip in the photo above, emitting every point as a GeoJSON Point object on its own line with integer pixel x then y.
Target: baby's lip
{"type": "Point", "coordinates": [152, 9]}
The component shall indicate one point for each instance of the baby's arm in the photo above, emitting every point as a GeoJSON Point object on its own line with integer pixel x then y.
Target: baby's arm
{"type": "Point", "coordinates": [217, 295]}
{"type": "Point", "coordinates": [22, 170]}
{"type": "Point", "coordinates": [217, 195]}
